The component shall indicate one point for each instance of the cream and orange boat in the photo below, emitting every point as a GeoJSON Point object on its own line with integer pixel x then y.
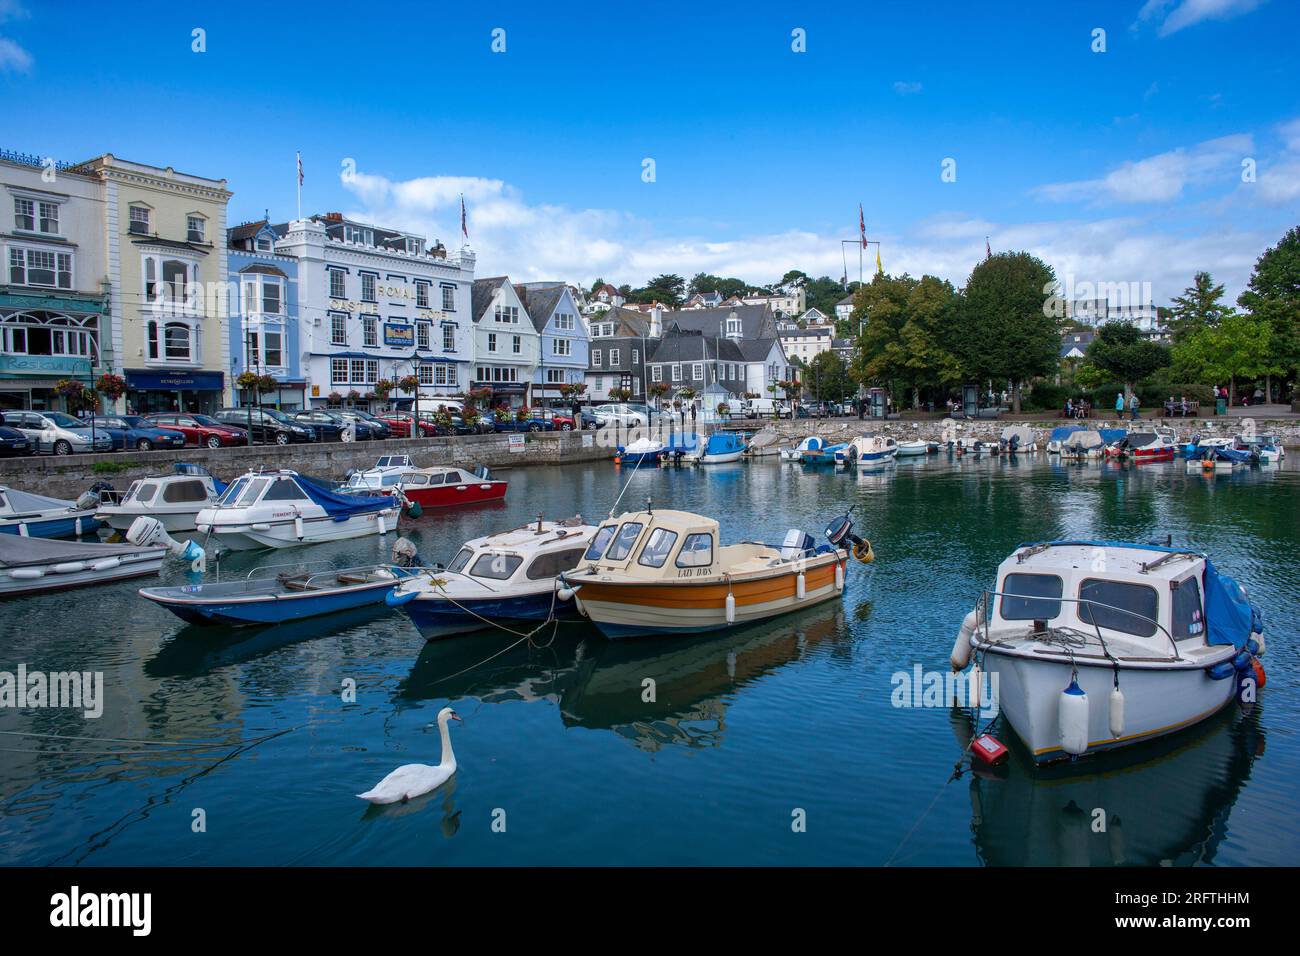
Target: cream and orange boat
{"type": "Point", "coordinates": [665, 572]}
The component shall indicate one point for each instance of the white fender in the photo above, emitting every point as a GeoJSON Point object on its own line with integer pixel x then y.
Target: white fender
{"type": "Point", "coordinates": [68, 567]}
{"type": "Point", "coordinates": [260, 526]}
{"type": "Point", "coordinates": [1259, 639]}
{"type": "Point", "coordinates": [381, 523]}
{"type": "Point", "coordinates": [961, 647]}
{"type": "Point", "coordinates": [731, 608]}
{"type": "Point", "coordinates": [297, 527]}
{"type": "Point", "coordinates": [1117, 713]}
{"type": "Point", "coordinates": [1072, 715]}
{"type": "Point", "coordinates": [27, 574]}
{"type": "Point", "coordinates": [800, 587]}
{"type": "Point", "coordinates": [106, 564]}
{"type": "Point", "coordinates": [77, 525]}
{"type": "Point", "coordinates": [22, 529]}
{"type": "Point", "coordinates": [839, 578]}
{"type": "Point", "coordinates": [973, 684]}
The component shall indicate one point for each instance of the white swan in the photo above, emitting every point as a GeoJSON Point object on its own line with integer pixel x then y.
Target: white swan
{"type": "Point", "coordinates": [415, 779]}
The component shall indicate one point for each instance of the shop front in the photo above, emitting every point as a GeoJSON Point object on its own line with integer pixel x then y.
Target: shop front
{"type": "Point", "coordinates": [152, 390]}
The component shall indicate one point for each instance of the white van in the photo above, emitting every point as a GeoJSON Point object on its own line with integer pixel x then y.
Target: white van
{"type": "Point", "coordinates": [764, 408]}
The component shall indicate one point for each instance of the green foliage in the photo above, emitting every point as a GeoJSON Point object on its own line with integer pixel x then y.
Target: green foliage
{"type": "Point", "coordinates": [668, 290]}
{"type": "Point", "coordinates": [1238, 347]}
{"type": "Point", "coordinates": [1273, 296]}
{"type": "Point", "coordinates": [1121, 351]}
{"type": "Point", "coordinates": [706, 282]}
{"type": "Point", "coordinates": [1007, 331]}
{"type": "Point", "coordinates": [910, 335]}
{"type": "Point", "coordinates": [1198, 307]}
{"type": "Point", "coordinates": [827, 377]}
{"type": "Point", "coordinates": [1048, 397]}
{"type": "Point", "coordinates": [110, 467]}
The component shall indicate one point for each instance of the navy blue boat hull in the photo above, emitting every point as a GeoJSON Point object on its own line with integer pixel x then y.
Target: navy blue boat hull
{"type": "Point", "coordinates": [55, 527]}
{"type": "Point", "coordinates": [439, 619]}
{"type": "Point", "coordinates": [289, 607]}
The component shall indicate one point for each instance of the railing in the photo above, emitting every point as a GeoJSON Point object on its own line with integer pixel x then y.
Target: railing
{"type": "Point", "coordinates": [1088, 601]}
{"type": "Point", "coordinates": [29, 159]}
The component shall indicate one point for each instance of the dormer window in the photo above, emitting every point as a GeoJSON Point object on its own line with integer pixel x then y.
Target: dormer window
{"type": "Point", "coordinates": [733, 325]}
{"type": "Point", "coordinates": [264, 244]}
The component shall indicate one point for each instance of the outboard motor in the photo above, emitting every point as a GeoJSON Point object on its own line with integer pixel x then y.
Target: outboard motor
{"type": "Point", "coordinates": [94, 496]}
{"type": "Point", "coordinates": [840, 530]}
{"type": "Point", "coordinates": [1014, 444]}
{"type": "Point", "coordinates": [147, 532]}
{"type": "Point", "coordinates": [405, 554]}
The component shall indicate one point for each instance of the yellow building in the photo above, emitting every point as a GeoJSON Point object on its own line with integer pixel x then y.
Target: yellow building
{"type": "Point", "coordinates": [166, 263]}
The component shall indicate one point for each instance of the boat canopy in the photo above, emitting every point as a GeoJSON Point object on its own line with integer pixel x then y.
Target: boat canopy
{"type": "Point", "coordinates": [339, 505]}
{"type": "Point", "coordinates": [24, 502]}
{"type": "Point", "coordinates": [1229, 615]}
{"type": "Point", "coordinates": [17, 551]}
{"type": "Point", "coordinates": [720, 443]}
{"type": "Point", "coordinates": [812, 443]}
{"type": "Point", "coordinates": [1023, 434]}
{"type": "Point", "coordinates": [198, 471]}
{"type": "Point", "coordinates": [683, 442]}
{"type": "Point", "coordinates": [1061, 432]}
{"type": "Point", "coordinates": [1084, 438]}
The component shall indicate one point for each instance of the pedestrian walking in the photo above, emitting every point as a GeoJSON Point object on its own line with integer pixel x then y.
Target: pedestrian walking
{"type": "Point", "coordinates": [1133, 407]}
{"type": "Point", "coordinates": [1119, 405]}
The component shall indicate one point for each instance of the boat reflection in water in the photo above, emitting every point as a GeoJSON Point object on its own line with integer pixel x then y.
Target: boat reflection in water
{"type": "Point", "coordinates": [602, 685]}
{"type": "Point", "coordinates": [1165, 802]}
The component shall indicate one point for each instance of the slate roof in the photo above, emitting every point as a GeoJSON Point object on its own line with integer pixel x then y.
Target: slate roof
{"type": "Point", "coordinates": [484, 293]}
{"type": "Point", "coordinates": [540, 300]}
{"type": "Point", "coordinates": [756, 321]}
{"type": "Point", "coordinates": [630, 324]}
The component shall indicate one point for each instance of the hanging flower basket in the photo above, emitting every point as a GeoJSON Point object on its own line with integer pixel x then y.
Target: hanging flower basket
{"type": "Point", "coordinates": [111, 386]}
{"type": "Point", "coordinates": [267, 383]}
{"type": "Point", "coordinates": [354, 396]}
{"type": "Point", "coordinates": [382, 388]}
{"type": "Point", "coordinates": [334, 398]}
{"type": "Point", "coordinates": [409, 383]}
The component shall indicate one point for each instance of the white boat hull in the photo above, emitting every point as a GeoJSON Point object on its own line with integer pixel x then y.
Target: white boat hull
{"type": "Point", "coordinates": [36, 579]}
{"type": "Point", "coordinates": [245, 536]}
{"type": "Point", "coordinates": [120, 519]}
{"type": "Point", "coordinates": [720, 459]}
{"type": "Point", "coordinates": [1157, 699]}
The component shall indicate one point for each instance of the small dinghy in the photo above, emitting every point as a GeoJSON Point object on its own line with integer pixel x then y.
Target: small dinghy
{"type": "Point", "coordinates": [505, 577]}
{"type": "Point", "coordinates": [446, 487]}
{"type": "Point", "coordinates": [175, 500]}
{"type": "Point", "coordinates": [1156, 445]}
{"type": "Point", "coordinates": [1270, 448]}
{"type": "Point", "coordinates": [917, 447]}
{"type": "Point", "coordinates": [666, 572]}
{"type": "Point", "coordinates": [30, 565]}
{"type": "Point", "coordinates": [1101, 644]}
{"type": "Point", "coordinates": [37, 516]}
{"type": "Point", "coordinates": [811, 443]}
{"type": "Point", "coordinates": [287, 595]}
{"type": "Point", "coordinates": [764, 444]}
{"type": "Point", "coordinates": [824, 454]}
{"type": "Point", "coordinates": [282, 509]}
{"type": "Point", "coordinates": [642, 451]}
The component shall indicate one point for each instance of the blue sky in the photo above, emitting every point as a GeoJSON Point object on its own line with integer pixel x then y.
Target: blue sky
{"type": "Point", "coordinates": [1119, 166]}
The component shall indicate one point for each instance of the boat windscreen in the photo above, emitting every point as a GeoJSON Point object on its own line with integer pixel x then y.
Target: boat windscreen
{"type": "Point", "coordinates": [462, 558]}
{"type": "Point", "coordinates": [599, 543]}
{"type": "Point", "coordinates": [231, 494]}
{"type": "Point", "coordinates": [624, 540]}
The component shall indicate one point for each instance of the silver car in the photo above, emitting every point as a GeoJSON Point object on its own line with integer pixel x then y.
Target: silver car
{"type": "Point", "coordinates": [56, 433]}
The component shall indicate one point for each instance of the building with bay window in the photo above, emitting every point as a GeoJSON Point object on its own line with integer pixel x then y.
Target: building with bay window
{"type": "Point", "coordinates": [563, 346]}
{"type": "Point", "coordinates": [164, 238]}
{"type": "Point", "coordinates": [376, 303]}
{"type": "Point", "coordinates": [55, 322]}
{"type": "Point", "coordinates": [264, 331]}
{"type": "Point", "coordinates": [506, 343]}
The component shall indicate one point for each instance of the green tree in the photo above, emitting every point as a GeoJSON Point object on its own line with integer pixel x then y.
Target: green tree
{"type": "Point", "coordinates": [1009, 333]}
{"type": "Point", "coordinates": [1199, 306]}
{"type": "Point", "coordinates": [1238, 347]}
{"type": "Point", "coordinates": [827, 377]}
{"type": "Point", "coordinates": [1121, 351]}
{"type": "Point", "coordinates": [668, 290]}
{"type": "Point", "coordinates": [1273, 296]}
{"type": "Point", "coordinates": [907, 334]}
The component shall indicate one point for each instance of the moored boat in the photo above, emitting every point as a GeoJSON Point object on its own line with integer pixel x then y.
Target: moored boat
{"type": "Point", "coordinates": [1017, 438]}
{"type": "Point", "coordinates": [39, 516]}
{"type": "Point", "coordinates": [824, 454]}
{"type": "Point", "coordinates": [447, 486]}
{"type": "Point", "coordinates": [1100, 644]}
{"type": "Point", "coordinates": [866, 451]}
{"type": "Point", "coordinates": [282, 509]}
{"type": "Point", "coordinates": [386, 473]}
{"type": "Point", "coordinates": [720, 448]}
{"type": "Point", "coordinates": [1058, 437]}
{"type": "Point", "coordinates": [811, 443]}
{"type": "Point", "coordinates": [642, 451]}
{"type": "Point", "coordinates": [1159, 444]}
{"type": "Point", "coordinates": [505, 577]}
{"type": "Point", "coordinates": [666, 572]}
{"type": "Point", "coordinates": [175, 500]}
{"type": "Point", "coordinates": [764, 444]}
{"type": "Point", "coordinates": [917, 447]}
{"type": "Point", "coordinates": [29, 565]}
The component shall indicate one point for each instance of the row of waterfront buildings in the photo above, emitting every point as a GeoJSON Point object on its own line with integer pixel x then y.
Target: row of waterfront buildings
{"type": "Point", "coordinates": [130, 269]}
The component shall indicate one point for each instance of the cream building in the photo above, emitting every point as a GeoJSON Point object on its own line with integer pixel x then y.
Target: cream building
{"type": "Point", "coordinates": [165, 254]}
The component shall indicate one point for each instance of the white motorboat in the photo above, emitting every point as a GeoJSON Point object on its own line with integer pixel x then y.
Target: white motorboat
{"type": "Point", "coordinates": [765, 443]}
{"type": "Point", "coordinates": [282, 509]}
{"type": "Point", "coordinates": [510, 576]}
{"type": "Point", "coordinates": [811, 443]}
{"type": "Point", "coordinates": [642, 450]}
{"type": "Point", "coordinates": [867, 451]}
{"type": "Point", "coordinates": [915, 447]}
{"type": "Point", "coordinates": [29, 565]}
{"type": "Point", "coordinates": [1091, 645]}
{"type": "Point", "coordinates": [38, 516]}
{"type": "Point", "coordinates": [720, 448]}
{"type": "Point", "coordinates": [175, 500]}
{"type": "Point", "coordinates": [386, 474]}
{"type": "Point", "coordinates": [1060, 435]}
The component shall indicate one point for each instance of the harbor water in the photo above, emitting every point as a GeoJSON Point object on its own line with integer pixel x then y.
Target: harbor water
{"type": "Point", "coordinates": [778, 743]}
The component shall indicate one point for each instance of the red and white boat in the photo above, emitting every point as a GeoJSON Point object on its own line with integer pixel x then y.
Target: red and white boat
{"type": "Point", "coordinates": [445, 486]}
{"type": "Point", "coordinates": [1159, 444]}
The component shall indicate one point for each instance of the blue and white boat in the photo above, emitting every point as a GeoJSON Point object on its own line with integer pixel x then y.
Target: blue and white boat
{"type": "Point", "coordinates": [823, 454]}
{"type": "Point", "coordinates": [1270, 447]}
{"type": "Point", "coordinates": [641, 451]}
{"type": "Point", "coordinates": [37, 516]}
{"type": "Point", "coordinates": [283, 597]}
{"type": "Point", "coordinates": [386, 475]}
{"type": "Point", "coordinates": [175, 500]}
{"type": "Point", "coordinates": [1059, 435]}
{"type": "Point", "coordinates": [282, 509]}
{"type": "Point", "coordinates": [721, 447]}
{"type": "Point", "coordinates": [506, 577]}
{"type": "Point", "coordinates": [867, 451]}
{"type": "Point", "coordinates": [811, 443]}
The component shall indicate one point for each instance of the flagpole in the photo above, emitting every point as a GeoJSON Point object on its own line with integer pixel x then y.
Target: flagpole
{"type": "Point", "coordinates": [299, 178]}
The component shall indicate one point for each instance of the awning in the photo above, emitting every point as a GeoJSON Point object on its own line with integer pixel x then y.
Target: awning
{"type": "Point", "coordinates": [155, 380]}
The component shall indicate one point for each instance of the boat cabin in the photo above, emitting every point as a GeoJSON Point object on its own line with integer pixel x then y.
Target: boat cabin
{"type": "Point", "coordinates": [668, 545]}
{"type": "Point", "coordinates": [433, 477]}
{"type": "Point", "coordinates": [1142, 600]}
{"type": "Point", "coordinates": [179, 489]}
{"type": "Point", "coordinates": [535, 552]}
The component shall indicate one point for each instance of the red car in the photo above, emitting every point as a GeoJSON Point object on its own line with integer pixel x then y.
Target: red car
{"type": "Point", "coordinates": [400, 424]}
{"type": "Point", "coordinates": [200, 429]}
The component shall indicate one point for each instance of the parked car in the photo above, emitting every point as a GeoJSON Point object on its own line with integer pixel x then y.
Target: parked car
{"type": "Point", "coordinates": [14, 443]}
{"type": "Point", "coordinates": [132, 431]}
{"type": "Point", "coordinates": [507, 422]}
{"type": "Point", "coordinates": [57, 433]}
{"type": "Point", "coordinates": [399, 424]}
{"type": "Point", "coordinates": [620, 414]}
{"type": "Point", "coordinates": [199, 429]}
{"type": "Point", "coordinates": [378, 427]}
{"type": "Point", "coordinates": [266, 425]}
{"type": "Point", "coordinates": [330, 425]}
{"type": "Point", "coordinates": [562, 421]}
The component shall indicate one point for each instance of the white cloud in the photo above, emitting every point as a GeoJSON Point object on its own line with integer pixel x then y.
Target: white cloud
{"type": "Point", "coordinates": [1190, 12]}
{"type": "Point", "coordinates": [906, 87]}
{"type": "Point", "coordinates": [13, 58]}
{"type": "Point", "coordinates": [537, 241]}
{"type": "Point", "coordinates": [1159, 178]}
{"type": "Point", "coordinates": [12, 10]}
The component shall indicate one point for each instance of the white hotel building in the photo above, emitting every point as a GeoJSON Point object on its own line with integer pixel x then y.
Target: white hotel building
{"type": "Point", "coordinates": [377, 304]}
